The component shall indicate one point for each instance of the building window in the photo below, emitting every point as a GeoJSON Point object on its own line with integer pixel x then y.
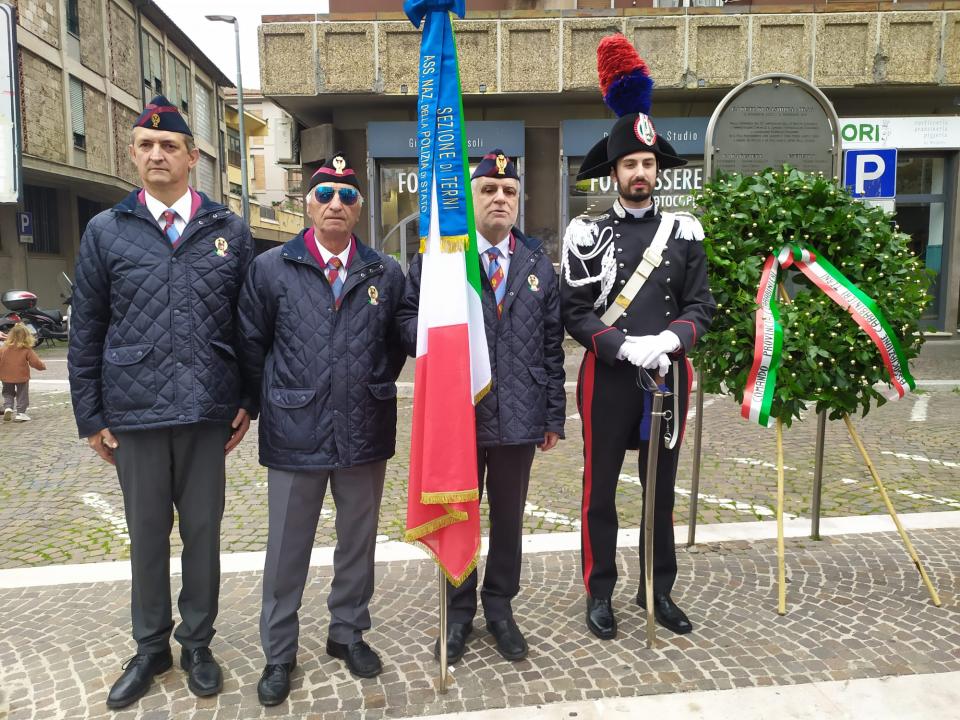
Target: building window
{"type": "Point", "coordinates": [178, 91]}
{"type": "Point", "coordinates": [235, 189]}
{"type": "Point", "coordinates": [152, 63]}
{"type": "Point", "coordinates": [268, 213]}
{"type": "Point", "coordinates": [233, 147]}
{"type": "Point", "coordinates": [42, 203]}
{"type": "Point", "coordinates": [294, 181]}
{"type": "Point", "coordinates": [73, 17]}
{"type": "Point", "coordinates": [202, 111]}
{"type": "Point", "coordinates": [206, 175]}
{"type": "Point", "coordinates": [76, 114]}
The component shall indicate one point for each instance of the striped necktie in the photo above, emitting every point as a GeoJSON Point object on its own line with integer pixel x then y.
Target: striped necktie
{"type": "Point", "coordinates": [496, 277]}
{"type": "Point", "coordinates": [169, 228]}
{"type": "Point", "coordinates": [333, 276]}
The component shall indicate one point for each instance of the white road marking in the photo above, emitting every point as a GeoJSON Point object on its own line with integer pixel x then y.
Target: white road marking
{"type": "Point", "coordinates": [725, 503]}
{"type": "Point", "coordinates": [107, 512]}
{"type": "Point", "coordinates": [919, 411]}
{"type": "Point", "coordinates": [755, 462]}
{"type": "Point", "coordinates": [921, 458]}
{"type": "Point", "coordinates": [550, 516]}
{"type": "Point", "coordinates": [932, 498]}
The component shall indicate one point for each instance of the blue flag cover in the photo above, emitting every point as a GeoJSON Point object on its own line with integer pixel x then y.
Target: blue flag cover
{"type": "Point", "coordinates": [442, 155]}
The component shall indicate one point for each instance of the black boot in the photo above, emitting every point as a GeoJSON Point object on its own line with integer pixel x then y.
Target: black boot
{"type": "Point", "coordinates": [510, 641]}
{"type": "Point", "coordinates": [666, 612]}
{"type": "Point", "coordinates": [274, 684]}
{"type": "Point", "coordinates": [137, 677]}
{"type": "Point", "coordinates": [600, 619]}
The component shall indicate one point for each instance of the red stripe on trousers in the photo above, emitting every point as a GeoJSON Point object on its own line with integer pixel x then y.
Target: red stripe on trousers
{"type": "Point", "coordinates": [586, 415]}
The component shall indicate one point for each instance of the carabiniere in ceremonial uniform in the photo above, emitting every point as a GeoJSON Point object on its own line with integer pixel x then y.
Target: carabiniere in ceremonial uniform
{"type": "Point", "coordinates": [634, 293]}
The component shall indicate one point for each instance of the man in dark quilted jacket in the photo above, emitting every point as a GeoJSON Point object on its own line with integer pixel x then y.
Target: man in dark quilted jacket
{"type": "Point", "coordinates": [525, 408]}
{"type": "Point", "coordinates": [157, 390]}
{"type": "Point", "coordinates": [317, 320]}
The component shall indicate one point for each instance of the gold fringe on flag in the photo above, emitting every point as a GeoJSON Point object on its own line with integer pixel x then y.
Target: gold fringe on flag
{"type": "Point", "coordinates": [452, 516]}
{"type": "Point", "coordinates": [448, 243]}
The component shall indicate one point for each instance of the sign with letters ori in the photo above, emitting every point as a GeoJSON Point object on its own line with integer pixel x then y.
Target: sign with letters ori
{"type": "Point", "coordinates": [770, 121]}
{"type": "Point", "coordinates": [10, 183]}
{"type": "Point", "coordinates": [871, 173]}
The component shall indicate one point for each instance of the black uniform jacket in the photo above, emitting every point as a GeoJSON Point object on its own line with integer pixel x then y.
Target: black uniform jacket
{"type": "Point", "coordinates": [676, 295]}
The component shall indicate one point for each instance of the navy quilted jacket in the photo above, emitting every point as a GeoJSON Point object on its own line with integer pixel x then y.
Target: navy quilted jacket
{"type": "Point", "coordinates": [152, 336]}
{"type": "Point", "coordinates": [527, 397]}
{"type": "Point", "coordinates": [327, 377]}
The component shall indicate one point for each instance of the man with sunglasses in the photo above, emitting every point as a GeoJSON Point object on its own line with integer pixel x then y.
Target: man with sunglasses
{"type": "Point", "coordinates": [636, 295]}
{"type": "Point", "coordinates": [320, 341]}
{"type": "Point", "coordinates": [526, 406]}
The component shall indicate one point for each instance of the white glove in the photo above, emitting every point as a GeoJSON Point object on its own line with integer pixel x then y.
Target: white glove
{"type": "Point", "coordinates": [632, 352]}
{"type": "Point", "coordinates": [651, 347]}
{"type": "Point", "coordinates": [662, 365]}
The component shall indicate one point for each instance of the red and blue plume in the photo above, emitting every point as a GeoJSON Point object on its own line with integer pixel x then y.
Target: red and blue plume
{"type": "Point", "coordinates": [624, 77]}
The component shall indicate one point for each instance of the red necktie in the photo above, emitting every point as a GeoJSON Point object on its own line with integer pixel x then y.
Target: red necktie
{"type": "Point", "coordinates": [333, 277]}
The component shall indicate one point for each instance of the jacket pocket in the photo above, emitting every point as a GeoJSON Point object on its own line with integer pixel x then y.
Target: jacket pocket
{"type": "Point", "coordinates": [383, 391]}
{"type": "Point", "coordinates": [538, 374]}
{"type": "Point", "coordinates": [292, 421]}
{"type": "Point", "coordinates": [129, 377]}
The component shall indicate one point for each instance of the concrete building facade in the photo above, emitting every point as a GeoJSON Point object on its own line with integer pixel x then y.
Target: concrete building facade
{"type": "Point", "coordinates": [529, 82]}
{"type": "Point", "coordinates": [86, 68]}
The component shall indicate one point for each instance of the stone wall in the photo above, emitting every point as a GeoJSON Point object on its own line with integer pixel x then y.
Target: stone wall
{"type": "Point", "coordinates": [98, 130]}
{"type": "Point", "coordinates": [91, 36]}
{"type": "Point", "coordinates": [124, 51]}
{"type": "Point", "coordinates": [123, 120]}
{"type": "Point", "coordinates": [42, 106]}
{"type": "Point", "coordinates": [546, 52]}
{"type": "Point", "coordinates": [42, 18]}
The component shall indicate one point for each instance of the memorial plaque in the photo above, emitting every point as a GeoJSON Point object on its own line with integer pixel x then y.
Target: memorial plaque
{"type": "Point", "coordinates": [769, 124]}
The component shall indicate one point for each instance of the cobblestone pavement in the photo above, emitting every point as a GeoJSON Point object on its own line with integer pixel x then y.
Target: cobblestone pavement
{"type": "Point", "coordinates": [856, 610]}
{"type": "Point", "coordinates": [60, 504]}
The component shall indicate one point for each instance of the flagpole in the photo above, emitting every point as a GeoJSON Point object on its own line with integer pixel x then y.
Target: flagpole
{"type": "Point", "coordinates": [442, 682]}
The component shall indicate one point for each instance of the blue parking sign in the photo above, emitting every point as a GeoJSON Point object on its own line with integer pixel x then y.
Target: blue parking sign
{"type": "Point", "coordinates": [871, 173]}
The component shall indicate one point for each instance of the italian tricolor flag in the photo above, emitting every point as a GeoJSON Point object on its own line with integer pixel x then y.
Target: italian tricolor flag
{"type": "Point", "coordinates": [453, 366]}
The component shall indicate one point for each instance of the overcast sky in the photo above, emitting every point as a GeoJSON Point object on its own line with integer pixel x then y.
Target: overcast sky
{"type": "Point", "coordinates": [216, 39]}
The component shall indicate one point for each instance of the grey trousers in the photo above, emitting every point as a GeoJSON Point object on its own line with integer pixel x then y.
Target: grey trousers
{"type": "Point", "coordinates": [295, 500]}
{"type": "Point", "coordinates": [159, 470]}
{"type": "Point", "coordinates": [16, 394]}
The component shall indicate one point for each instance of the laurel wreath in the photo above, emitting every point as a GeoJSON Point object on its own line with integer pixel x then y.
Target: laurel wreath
{"type": "Point", "coordinates": [827, 359]}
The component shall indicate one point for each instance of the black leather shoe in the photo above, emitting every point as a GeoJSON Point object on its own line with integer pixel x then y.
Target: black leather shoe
{"type": "Point", "coordinates": [274, 684]}
{"type": "Point", "coordinates": [361, 660]}
{"type": "Point", "coordinates": [510, 641]}
{"type": "Point", "coordinates": [137, 677]}
{"type": "Point", "coordinates": [667, 613]}
{"type": "Point", "coordinates": [203, 673]}
{"type": "Point", "coordinates": [457, 634]}
{"type": "Point", "coordinates": [600, 618]}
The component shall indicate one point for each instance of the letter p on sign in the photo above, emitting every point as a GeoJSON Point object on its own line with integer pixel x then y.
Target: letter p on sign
{"type": "Point", "coordinates": [871, 173]}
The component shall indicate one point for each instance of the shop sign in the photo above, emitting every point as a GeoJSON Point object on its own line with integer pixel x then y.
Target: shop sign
{"type": "Point", "coordinates": [399, 139]}
{"type": "Point", "coordinates": [906, 133]}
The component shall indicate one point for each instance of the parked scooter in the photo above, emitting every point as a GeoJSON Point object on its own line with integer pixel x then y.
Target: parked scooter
{"type": "Point", "coordinates": [44, 325]}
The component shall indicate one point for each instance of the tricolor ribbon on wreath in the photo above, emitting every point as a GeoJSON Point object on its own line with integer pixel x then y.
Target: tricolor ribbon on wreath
{"type": "Point", "coordinates": [768, 345]}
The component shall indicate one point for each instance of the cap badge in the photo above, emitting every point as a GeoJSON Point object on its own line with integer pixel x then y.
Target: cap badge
{"type": "Point", "coordinates": [501, 164]}
{"type": "Point", "coordinates": [339, 164]}
{"type": "Point", "coordinates": [155, 120]}
{"type": "Point", "coordinates": [643, 129]}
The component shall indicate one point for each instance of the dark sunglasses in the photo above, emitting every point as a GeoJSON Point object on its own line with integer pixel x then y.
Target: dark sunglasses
{"type": "Point", "coordinates": [324, 194]}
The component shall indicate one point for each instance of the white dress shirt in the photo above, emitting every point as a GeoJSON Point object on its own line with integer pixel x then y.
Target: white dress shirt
{"type": "Point", "coordinates": [504, 246]}
{"type": "Point", "coordinates": [326, 255]}
{"type": "Point", "coordinates": [181, 207]}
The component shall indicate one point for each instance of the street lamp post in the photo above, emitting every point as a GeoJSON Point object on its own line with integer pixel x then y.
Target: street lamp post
{"type": "Point", "coordinates": [245, 201]}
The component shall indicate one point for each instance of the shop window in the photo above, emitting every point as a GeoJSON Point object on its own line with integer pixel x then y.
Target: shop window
{"type": "Point", "coordinates": [921, 210]}
{"type": "Point", "coordinates": [42, 203]}
{"type": "Point", "coordinates": [676, 189]}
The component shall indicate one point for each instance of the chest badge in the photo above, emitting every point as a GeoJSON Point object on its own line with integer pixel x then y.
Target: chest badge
{"type": "Point", "coordinates": [373, 295]}
{"type": "Point", "coordinates": [221, 246]}
{"type": "Point", "coordinates": [533, 282]}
